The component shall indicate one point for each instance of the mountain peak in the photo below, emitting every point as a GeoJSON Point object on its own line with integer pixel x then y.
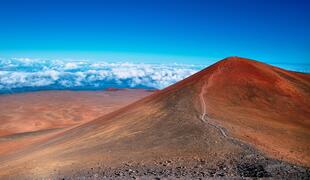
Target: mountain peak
{"type": "Point", "coordinates": [226, 113]}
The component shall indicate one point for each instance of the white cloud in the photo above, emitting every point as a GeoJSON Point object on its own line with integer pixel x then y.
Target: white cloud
{"type": "Point", "coordinates": [70, 65]}
{"type": "Point", "coordinates": [21, 73]}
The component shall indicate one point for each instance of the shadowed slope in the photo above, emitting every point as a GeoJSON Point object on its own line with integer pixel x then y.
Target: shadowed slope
{"type": "Point", "coordinates": [185, 121]}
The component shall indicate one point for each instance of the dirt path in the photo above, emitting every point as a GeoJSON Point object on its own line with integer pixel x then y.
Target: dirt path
{"type": "Point", "coordinates": [204, 116]}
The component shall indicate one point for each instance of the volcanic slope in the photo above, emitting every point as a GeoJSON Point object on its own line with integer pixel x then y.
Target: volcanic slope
{"type": "Point", "coordinates": [238, 117]}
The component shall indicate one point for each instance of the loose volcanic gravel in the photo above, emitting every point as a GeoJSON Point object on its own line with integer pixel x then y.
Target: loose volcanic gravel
{"type": "Point", "coordinates": [196, 169]}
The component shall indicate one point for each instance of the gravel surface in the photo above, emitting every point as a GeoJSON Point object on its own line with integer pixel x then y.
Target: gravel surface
{"type": "Point", "coordinates": [247, 167]}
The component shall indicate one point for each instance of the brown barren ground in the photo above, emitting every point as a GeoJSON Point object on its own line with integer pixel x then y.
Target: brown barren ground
{"type": "Point", "coordinates": [28, 117]}
{"type": "Point", "coordinates": [235, 118]}
{"type": "Point", "coordinates": [35, 111]}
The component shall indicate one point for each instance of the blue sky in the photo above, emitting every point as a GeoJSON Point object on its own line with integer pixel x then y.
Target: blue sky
{"type": "Point", "coordinates": [192, 31]}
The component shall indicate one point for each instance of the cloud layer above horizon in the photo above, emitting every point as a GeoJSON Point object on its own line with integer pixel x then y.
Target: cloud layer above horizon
{"type": "Point", "coordinates": [24, 74]}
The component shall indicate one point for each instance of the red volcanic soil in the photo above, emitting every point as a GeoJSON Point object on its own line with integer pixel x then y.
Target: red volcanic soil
{"type": "Point", "coordinates": [36, 111]}
{"type": "Point", "coordinates": [238, 117]}
{"type": "Point", "coordinates": [113, 89]}
{"type": "Point", "coordinates": [263, 105]}
{"type": "Point", "coordinates": [29, 117]}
